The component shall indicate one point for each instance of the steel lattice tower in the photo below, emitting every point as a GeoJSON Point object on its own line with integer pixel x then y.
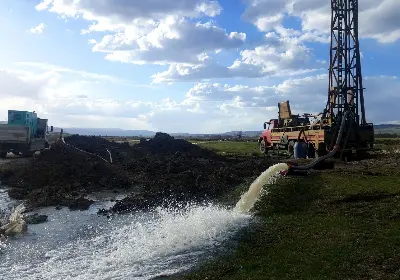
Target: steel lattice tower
{"type": "Point", "coordinates": [345, 78]}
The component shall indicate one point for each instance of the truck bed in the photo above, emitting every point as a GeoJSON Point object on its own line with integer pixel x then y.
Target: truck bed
{"type": "Point", "coordinates": [14, 133]}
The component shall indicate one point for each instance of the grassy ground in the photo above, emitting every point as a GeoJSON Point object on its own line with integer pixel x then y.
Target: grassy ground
{"type": "Point", "coordinates": [333, 224]}
{"type": "Point", "coordinates": [228, 148]}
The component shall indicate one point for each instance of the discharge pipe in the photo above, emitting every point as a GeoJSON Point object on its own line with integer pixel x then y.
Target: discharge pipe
{"type": "Point", "coordinates": [330, 154]}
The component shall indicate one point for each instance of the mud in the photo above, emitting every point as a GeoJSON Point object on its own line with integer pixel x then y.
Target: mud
{"type": "Point", "coordinates": [154, 171]}
{"type": "Point", "coordinates": [60, 176]}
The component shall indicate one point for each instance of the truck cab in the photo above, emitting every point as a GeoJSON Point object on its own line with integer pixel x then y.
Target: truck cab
{"type": "Point", "coordinates": [265, 139]}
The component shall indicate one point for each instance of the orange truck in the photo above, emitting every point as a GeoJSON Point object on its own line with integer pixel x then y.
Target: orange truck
{"type": "Point", "coordinates": [319, 136]}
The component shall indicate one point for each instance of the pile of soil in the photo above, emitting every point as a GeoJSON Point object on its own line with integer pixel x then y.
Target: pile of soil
{"type": "Point", "coordinates": [163, 143]}
{"type": "Point", "coordinates": [180, 177]}
{"type": "Point", "coordinates": [163, 167]}
{"type": "Point", "coordinates": [61, 176]}
{"type": "Point", "coordinates": [120, 152]}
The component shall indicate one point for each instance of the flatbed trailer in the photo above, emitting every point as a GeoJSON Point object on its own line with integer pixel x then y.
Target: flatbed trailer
{"type": "Point", "coordinates": [320, 140]}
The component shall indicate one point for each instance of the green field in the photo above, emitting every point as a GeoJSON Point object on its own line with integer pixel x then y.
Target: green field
{"type": "Point", "coordinates": [251, 148]}
{"type": "Point", "coordinates": [228, 148]}
{"type": "Point", "coordinates": [332, 224]}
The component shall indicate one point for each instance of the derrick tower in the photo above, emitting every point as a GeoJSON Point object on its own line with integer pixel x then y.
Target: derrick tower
{"type": "Point", "coordinates": [345, 79]}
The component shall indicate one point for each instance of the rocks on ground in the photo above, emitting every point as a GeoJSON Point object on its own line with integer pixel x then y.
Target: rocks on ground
{"type": "Point", "coordinates": [35, 219]}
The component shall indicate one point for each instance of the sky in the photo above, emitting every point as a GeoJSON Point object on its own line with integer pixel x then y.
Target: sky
{"type": "Point", "coordinates": [197, 66]}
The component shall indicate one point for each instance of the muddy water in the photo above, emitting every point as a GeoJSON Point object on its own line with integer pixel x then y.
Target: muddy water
{"type": "Point", "coordinates": [82, 245]}
{"type": "Point", "coordinates": [248, 199]}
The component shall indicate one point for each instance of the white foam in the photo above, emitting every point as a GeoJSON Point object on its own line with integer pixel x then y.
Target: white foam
{"type": "Point", "coordinates": [164, 242]}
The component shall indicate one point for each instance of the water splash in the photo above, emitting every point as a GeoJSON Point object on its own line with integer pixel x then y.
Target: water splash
{"type": "Point", "coordinates": [133, 247]}
{"type": "Point", "coordinates": [15, 224]}
{"type": "Point", "coordinates": [248, 199]}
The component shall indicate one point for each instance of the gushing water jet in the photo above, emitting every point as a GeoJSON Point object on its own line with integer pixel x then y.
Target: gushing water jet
{"type": "Point", "coordinates": [248, 199]}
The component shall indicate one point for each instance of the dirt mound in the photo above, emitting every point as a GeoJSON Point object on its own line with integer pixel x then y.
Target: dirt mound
{"type": "Point", "coordinates": [120, 152]}
{"type": "Point", "coordinates": [163, 167]}
{"type": "Point", "coordinates": [180, 178]}
{"type": "Point", "coordinates": [61, 174]}
{"type": "Point", "coordinates": [164, 143]}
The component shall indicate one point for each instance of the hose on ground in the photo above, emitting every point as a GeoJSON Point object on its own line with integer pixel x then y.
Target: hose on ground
{"type": "Point", "coordinates": [85, 152]}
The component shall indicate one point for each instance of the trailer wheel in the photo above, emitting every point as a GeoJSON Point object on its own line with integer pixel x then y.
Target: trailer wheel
{"type": "Point", "coordinates": [321, 151]}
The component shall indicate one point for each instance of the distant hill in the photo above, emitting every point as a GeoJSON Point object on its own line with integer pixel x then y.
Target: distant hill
{"type": "Point", "coordinates": [110, 132]}
{"type": "Point", "coordinates": [147, 133]}
{"type": "Point", "coordinates": [386, 126]}
{"type": "Point", "coordinates": [379, 129]}
{"type": "Point", "coordinates": [387, 129]}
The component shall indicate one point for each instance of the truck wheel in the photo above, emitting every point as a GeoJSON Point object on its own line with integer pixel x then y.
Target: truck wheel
{"type": "Point", "coordinates": [263, 147]}
{"type": "Point", "coordinates": [347, 156]}
{"type": "Point", "coordinates": [321, 150]}
{"type": "Point", "coordinates": [311, 153]}
{"type": "Point", "coordinates": [291, 147]}
{"type": "Point", "coordinates": [361, 154]}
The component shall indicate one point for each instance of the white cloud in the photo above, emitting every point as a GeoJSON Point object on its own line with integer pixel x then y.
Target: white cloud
{"type": "Point", "coordinates": [183, 35]}
{"type": "Point", "coordinates": [38, 29]}
{"type": "Point", "coordinates": [377, 19]}
{"type": "Point", "coordinates": [59, 69]}
{"type": "Point", "coordinates": [126, 11]}
{"type": "Point", "coordinates": [306, 95]}
{"type": "Point", "coordinates": [22, 84]}
{"type": "Point", "coordinates": [174, 39]}
{"type": "Point", "coordinates": [276, 57]}
{"type": "Point", "coordinates": [155, 31]}
{"type": "Point", "coordinates": [206, 107]}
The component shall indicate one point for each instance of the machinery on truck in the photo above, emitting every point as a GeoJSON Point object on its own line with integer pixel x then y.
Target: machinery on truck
{"type": "Point", "coordinates": [344, 114]}
{"type": "Point", "coordinates": [25, 133]}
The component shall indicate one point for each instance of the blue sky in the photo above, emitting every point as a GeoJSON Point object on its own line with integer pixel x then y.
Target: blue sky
{"type": "Point", "coordinates": [185, 65]}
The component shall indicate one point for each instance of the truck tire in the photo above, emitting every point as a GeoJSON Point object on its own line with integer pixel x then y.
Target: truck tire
{"type": "Point", "coordinates": [346, 156]}
{"type": "Point", "coordinates": [321, 150]}
{"type": "Point", "coordinates": [263, 147]}
{"type": "Point", "coordinates": [311, 153]}
{"type": "Point", "coordinates": [290, 148]}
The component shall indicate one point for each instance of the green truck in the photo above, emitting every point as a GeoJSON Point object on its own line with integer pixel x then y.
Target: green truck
{"type": "Point", "coordinates": [25, 133]}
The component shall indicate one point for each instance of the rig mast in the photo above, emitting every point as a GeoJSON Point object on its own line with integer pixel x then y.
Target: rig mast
{"type": "Point", "coordinates": [345, 79]}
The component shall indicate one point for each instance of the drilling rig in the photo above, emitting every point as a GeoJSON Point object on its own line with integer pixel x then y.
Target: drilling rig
{"type": "Point", "coordinates": [341, 129]}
